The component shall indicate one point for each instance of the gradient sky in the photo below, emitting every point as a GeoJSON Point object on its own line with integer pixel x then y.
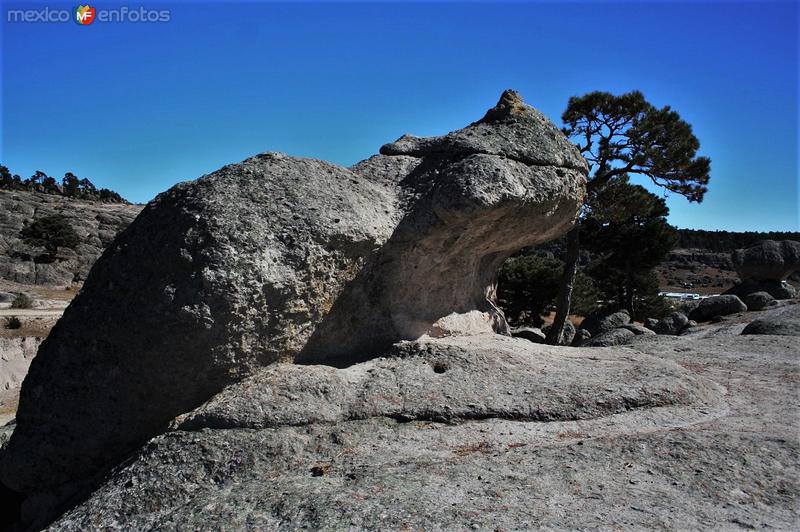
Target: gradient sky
{"type": "Point", "coordinates": [139, 107]}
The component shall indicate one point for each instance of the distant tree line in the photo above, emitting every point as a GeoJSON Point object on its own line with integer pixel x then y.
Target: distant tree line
{"type": "Point", "coordinates": [722, 241]}
{"type": "Point", "coordinates": [70, 186]}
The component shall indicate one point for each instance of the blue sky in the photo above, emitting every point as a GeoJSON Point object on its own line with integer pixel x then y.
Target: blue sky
{"type": "Point", "coordinates": [139, 107]}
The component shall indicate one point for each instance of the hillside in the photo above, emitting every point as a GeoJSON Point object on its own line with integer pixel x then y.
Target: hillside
{"type": "Point", "coordinates": [95, 222]}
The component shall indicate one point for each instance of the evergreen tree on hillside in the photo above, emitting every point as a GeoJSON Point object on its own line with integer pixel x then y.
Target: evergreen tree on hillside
{"type": "Point", "coordinates": [50, 232]}
{"type": "Point", "coordinates": [626, 227]}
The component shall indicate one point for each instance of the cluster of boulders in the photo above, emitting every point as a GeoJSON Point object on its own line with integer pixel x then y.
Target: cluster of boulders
{"type": "Point", "coordinates": [762, 268]}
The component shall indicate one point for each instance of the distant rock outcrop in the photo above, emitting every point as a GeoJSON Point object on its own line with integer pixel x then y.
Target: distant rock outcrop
{"type": "Point", "coordinates": [767, 260]}
{"type": "Point", "coordinates": [278, 258]}
{"type": "Point", "coordinates": [96, 224]}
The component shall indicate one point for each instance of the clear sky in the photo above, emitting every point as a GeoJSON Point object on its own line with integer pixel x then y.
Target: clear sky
{"type": "Point", "coordinates": [138, 107]}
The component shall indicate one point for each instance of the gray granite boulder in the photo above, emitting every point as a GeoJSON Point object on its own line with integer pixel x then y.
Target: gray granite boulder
{"type": "Point", "coordinates": [650, 323]}
{"type": "Point", "coordinates": [279, 258]}
{"type": "Point", "coordinates": [767, 260]}
{"type": "Point", "coordinates": [609, 338]}
{"type": "Point", "coordinates": [758, 300]}
{"type": "Point", "coordinates": [605, 319]}
{"type": "Point", "coordinates": [671, 324]}
{"type": "Point", "coordinates": [777, 326]}
{"type": "Point", "coordinates": [717, 306]}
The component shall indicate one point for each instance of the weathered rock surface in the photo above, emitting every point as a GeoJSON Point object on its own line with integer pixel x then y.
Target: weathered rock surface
{"type": "Point", "coordinates": [672, 324]}
{"type": "Point", "coordinates": [778, 326]}
{"type": "Point", "coordinates": [277, 258]}
{"type": "Point", "coordinates": [651, 323]}
{"type": "Point", "coordinates": [360, 438]}
{"type": "Point", "coordinates": [722, 452]}
{"type": "Point", "coordinates": [604, 320]}
{"type": "Point", "coordinates": [618, 336]}
{"type": "Point", "coordinates": [758, 300]}
{"type": "Point", "coordinates": [767, 260]}
{"type": "Point", "coordinates": [717, 306]}
{"type": "Point", "coordinates": [96, 224]}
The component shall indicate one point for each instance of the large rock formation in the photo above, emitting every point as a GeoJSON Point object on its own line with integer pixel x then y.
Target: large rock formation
{"type": "Point", "coordinates": [763, 266]}
{"type": "Point", "coordinates": [96, 224]}
{"type": "Point", "coordinates": [281, 258]}
{"type": "Point", "coordinates": [767, 260]}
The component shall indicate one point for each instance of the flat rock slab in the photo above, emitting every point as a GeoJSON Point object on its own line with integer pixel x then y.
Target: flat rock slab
{"type": "Point", "coordinates": [472, 432]}
{"type": "Point", "coordinates": [455, 379]}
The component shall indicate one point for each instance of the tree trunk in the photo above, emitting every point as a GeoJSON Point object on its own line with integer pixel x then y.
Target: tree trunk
{"type": "Point", "coordinates": [629, 288]}
{"type": "Point", "coordinates": [565, 290]}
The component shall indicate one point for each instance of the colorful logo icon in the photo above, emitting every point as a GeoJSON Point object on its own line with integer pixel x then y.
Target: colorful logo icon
{"type": "Point", "coordinates": [84, 15]}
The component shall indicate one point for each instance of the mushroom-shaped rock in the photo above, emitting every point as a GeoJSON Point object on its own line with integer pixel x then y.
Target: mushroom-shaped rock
{"type": "Point", "coordinates": [281, 258]}
{"type": "Point", "coordinates": [767, 260]}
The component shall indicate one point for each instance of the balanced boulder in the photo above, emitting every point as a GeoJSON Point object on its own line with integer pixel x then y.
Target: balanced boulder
{"type": "Point", "coordinates": [280, 258]}
{"type": "Point", "coordinates": [768, 259]}
{"type": "Point", "coordinates": [717, 306]}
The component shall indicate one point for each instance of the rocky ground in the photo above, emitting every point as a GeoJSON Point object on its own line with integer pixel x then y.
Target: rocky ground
{"type": "Point", "coordinates": [679, 432]}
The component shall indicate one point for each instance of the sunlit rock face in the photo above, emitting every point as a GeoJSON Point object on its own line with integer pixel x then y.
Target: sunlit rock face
{"type": "Point", "coordinates": [283, 258]}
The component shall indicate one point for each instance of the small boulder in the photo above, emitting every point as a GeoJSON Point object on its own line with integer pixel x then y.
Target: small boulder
{"type": "Point", "coordinates": [581, 335]}
{"type": "Point", "coordinates": [651, 323]}
{"type": "Point", "coordinates": [531, 334]}
{"type": "Point", "coordinates": [691, 324]}
{"type": "Point", "coordinates": [566, 335]}
{"type": "Point", "coordinates": [758, 300]}
{"type": "Point", "coordinates": [776, 326]}
{"type": "Point", "coordinates": [613, 337]}
{"type": "Point", "coordinates": [605, 319]}
{"type": "Point", "coordinates": [717, 306]}
{"type": "Point", "coordinates": [671, 324]}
